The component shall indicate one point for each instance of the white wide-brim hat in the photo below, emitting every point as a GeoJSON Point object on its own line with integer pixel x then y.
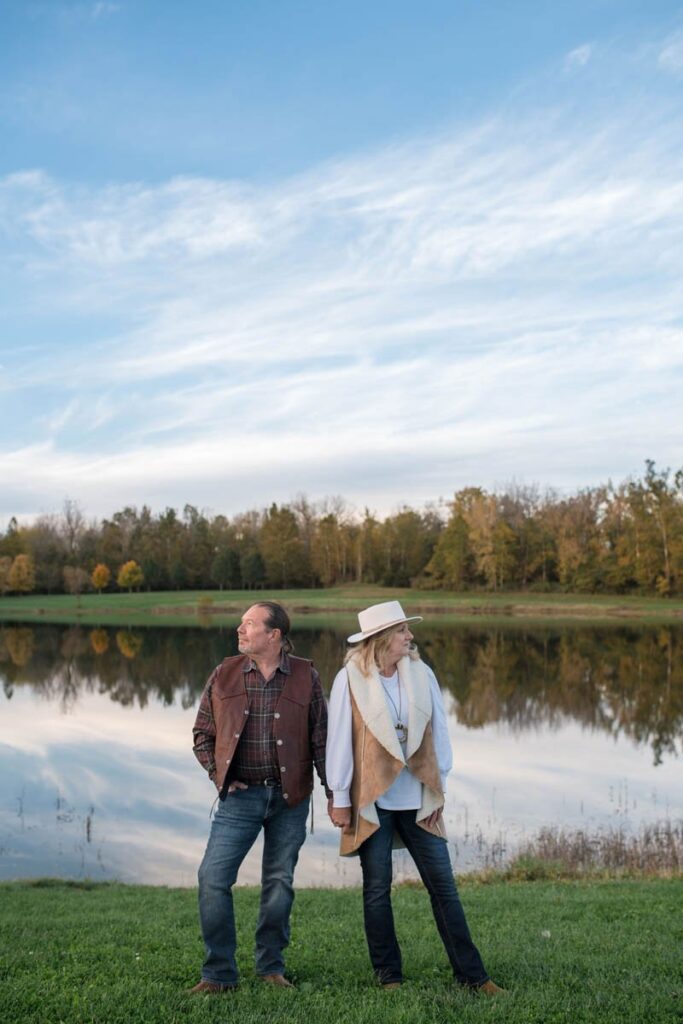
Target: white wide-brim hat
{"type": "Point", "coordinates": [378, 617]}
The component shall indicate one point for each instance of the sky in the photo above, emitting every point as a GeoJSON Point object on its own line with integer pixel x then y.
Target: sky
{"type": "Point", "coordinates": [378, 250]}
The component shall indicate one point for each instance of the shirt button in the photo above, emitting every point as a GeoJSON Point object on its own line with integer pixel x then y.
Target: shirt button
{"type": "Point", "coordinates": [228, 761]}
{"type": "Point", "coordinates": [283, 769]}
{"type": "Point", "coordinates": [237, 735]}
{"type": "Point", "coordinates": [276, 715]}
{"type": "Point", "coordinates": [279, 743]}
{"type": "Point", "coordinates": [246, 711]}
{"type": "Point", "coordinates": [285, 796]}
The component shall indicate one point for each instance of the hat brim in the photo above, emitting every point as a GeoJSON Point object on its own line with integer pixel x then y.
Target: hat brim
{"type": "Point", "coordinates": [357, 637]}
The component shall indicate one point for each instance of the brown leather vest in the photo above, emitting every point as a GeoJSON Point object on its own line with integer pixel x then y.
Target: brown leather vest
{"type": "Point", "coordinates": [230, 707]}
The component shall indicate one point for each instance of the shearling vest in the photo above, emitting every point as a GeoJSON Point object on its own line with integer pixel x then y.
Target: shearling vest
{"type": "Point", "coordinates": [230, 707]}
{"type": "Point", "coordinates": [378, 757]}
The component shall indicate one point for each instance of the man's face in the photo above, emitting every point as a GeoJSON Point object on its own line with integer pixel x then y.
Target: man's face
{"type": "Point", "coordinates": [254, 637]}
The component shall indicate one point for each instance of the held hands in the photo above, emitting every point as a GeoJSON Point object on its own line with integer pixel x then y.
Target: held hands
{"type": "Point", "coordinates": [432, 818]}
{"type": "Point", "coordinates": [237, 785]}
{"type": "Point", "coordinates": [339, 816]}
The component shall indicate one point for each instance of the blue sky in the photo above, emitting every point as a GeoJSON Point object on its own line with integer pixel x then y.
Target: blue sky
{"type": "Point", "coordinates": [381, 250]}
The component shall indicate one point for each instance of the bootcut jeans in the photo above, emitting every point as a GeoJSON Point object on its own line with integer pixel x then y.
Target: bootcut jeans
{"type": "Point", "coordinates": [430, 854]}
{"type": "Point", "coordinates": [236, 824]}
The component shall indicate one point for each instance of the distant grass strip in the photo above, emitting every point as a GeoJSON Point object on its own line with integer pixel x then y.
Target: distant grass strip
{"type": "Point", "coordinates": [175, 608]}
{"type": "Point", "coordinates": [568, 952]}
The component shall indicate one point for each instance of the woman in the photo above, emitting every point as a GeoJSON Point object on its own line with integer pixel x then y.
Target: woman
{"type": "Point", "coordinates": [388, 755]}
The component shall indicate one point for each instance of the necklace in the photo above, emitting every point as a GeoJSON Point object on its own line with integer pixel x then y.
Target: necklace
{"type": "Point", "coordinates": [401, 730]}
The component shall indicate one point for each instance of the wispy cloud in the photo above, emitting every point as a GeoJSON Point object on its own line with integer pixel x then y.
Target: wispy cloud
{"type": "Point", "coordinates": [579, 57]}
{"type": "Point", "coordinates": [104, 9]}
{"type": "Point", "coordinates": [502, 301]}
{"type": "Point", "coordinates": [671, 54]}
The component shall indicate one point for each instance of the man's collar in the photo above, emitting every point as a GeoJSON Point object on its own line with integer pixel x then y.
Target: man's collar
{"type": "Point", "coordinates": [283, 667]}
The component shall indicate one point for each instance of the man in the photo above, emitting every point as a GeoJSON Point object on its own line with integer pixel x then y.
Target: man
{"type": "Point", "coordinates": [261, 725]}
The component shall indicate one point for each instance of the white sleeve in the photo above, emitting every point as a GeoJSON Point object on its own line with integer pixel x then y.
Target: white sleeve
{"type": "Point", "coordinates": [339, 749]}
{"type": "Point", "coordinates": [442, 741]}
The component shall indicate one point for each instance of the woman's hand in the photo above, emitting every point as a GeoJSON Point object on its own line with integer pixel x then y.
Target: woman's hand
{"type": "Point", "coordinates": [432, 819]}
{"type": "Point", "coordinates": [237, 785]}
{"type": "Point", "coordinates": [339, 816]}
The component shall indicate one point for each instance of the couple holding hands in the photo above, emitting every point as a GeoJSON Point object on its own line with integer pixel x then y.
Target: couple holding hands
{"type": "Point", "coordinates": [383, 754]}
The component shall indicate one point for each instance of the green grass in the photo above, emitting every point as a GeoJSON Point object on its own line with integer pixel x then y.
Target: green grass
{"type": "Point", "coordinates": [568, 952]}
{"type": "Point", "coordinates": [176, 608]}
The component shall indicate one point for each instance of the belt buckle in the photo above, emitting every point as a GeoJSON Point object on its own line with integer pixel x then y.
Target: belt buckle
{"type": "Point", "coordinates": [271, 783]}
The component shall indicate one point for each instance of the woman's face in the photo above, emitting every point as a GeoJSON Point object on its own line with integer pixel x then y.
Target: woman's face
{"type": "Point", "coordinates": [400, 644]}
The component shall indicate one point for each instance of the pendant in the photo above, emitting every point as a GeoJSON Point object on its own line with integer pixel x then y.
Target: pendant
{"type": "Point", "coordinates": [401, 732]}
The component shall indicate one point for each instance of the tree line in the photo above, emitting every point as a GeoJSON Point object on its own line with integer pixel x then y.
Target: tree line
{"type": "Point", "coordinates": [624, 538]}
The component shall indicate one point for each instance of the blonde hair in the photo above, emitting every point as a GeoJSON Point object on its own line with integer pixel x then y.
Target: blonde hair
{"type": "Point", "coordinates": [369, 653]}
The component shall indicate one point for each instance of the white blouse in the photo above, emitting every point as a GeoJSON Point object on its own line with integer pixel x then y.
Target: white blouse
{"type": "Point", "coordinates": [405, 793]}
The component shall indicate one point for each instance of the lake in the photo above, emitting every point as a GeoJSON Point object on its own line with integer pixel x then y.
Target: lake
{"type": "Point", "coordinates": [552, 725]}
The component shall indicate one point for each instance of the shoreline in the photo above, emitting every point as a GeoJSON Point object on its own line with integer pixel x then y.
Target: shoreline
{"type": "Point", "coordinates": [217, 608]}
{"type": "Point", "coordinates": [489, 878]}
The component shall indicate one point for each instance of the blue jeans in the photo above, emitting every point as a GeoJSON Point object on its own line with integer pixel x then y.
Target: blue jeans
{"type": "Point", "coordinates": [238, 821]}
{"type": "Point", "coordinates": [430, 854]}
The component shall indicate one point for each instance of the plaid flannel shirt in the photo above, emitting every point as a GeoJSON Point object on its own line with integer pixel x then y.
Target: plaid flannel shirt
{"type": "Point", "coordinates": [255, 758]}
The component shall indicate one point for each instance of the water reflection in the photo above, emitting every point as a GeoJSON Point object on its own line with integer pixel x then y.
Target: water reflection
{"type": "Point", "coordinates": [623, 681]}
{"type": "Point", "coordinates": [572, 726]}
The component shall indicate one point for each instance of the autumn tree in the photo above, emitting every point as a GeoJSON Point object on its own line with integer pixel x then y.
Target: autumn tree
{"type": "Point", "coordinates": [367, 553]}
{"type": "Point", "coordinates": [326, 551]}
{"type": "Point", "coordinates": [12, 544]}
{"type": "Point", "coordinates": [129, 643]}
{"type": "Point", "coordinates": [451, 565]}
{"type": "Point", "coordinates": [21, 577]}
{"type": "Point", "coordinates": [578, 542]}
{"type": "Point", "coordinates": [408, 539]}
{"type": "Point", "coordinates": [198, 549]}
{"type": "Point", "coordinates": [616, 554]}
{"type": "Point", "coordinates": [657, 505]}
{"type": "Point", "coordinates": [99, 641]}
{"type": "Point", "coordinates": [76, 580]}
{"type": "Point", "coordinates": [5, 566]}
{"type": "Point", "coordinates": [45, 542]}
{"type": "Point", "coordinates": [130, 576]}
{"type": "Point", "coordinates": [281, 548]}
{"type": "Point", "coordinates": [19, 641]}
{"type": "Point", "coordinates": [100, 577]}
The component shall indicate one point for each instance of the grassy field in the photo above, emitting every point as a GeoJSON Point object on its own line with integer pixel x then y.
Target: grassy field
{"type": "Point", "coordinates": [218, 607]}
{"type": "Point", "coordinates": [605, 952]}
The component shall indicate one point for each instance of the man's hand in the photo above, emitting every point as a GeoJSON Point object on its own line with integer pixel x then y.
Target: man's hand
{"type": "Point", "coordinates": [432, 819]}
{"type": "Point", "coordinates": [237, 785]}
{"type": "Point", "coordinates": [339, 816]}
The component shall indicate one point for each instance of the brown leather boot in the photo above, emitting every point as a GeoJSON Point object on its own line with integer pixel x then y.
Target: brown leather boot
{"type": "Point", "coordinates": [278, 980]}
{"type": "Point", "coordinates": [489, 988]}
{"type": "Point", "coordinates": [210, 988]}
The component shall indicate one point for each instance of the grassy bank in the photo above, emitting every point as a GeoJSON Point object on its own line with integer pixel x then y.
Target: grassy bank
{"type": "Point", "coordinates": [218, 607]}
{"type": "Point", "coordinates": [574, 952]}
